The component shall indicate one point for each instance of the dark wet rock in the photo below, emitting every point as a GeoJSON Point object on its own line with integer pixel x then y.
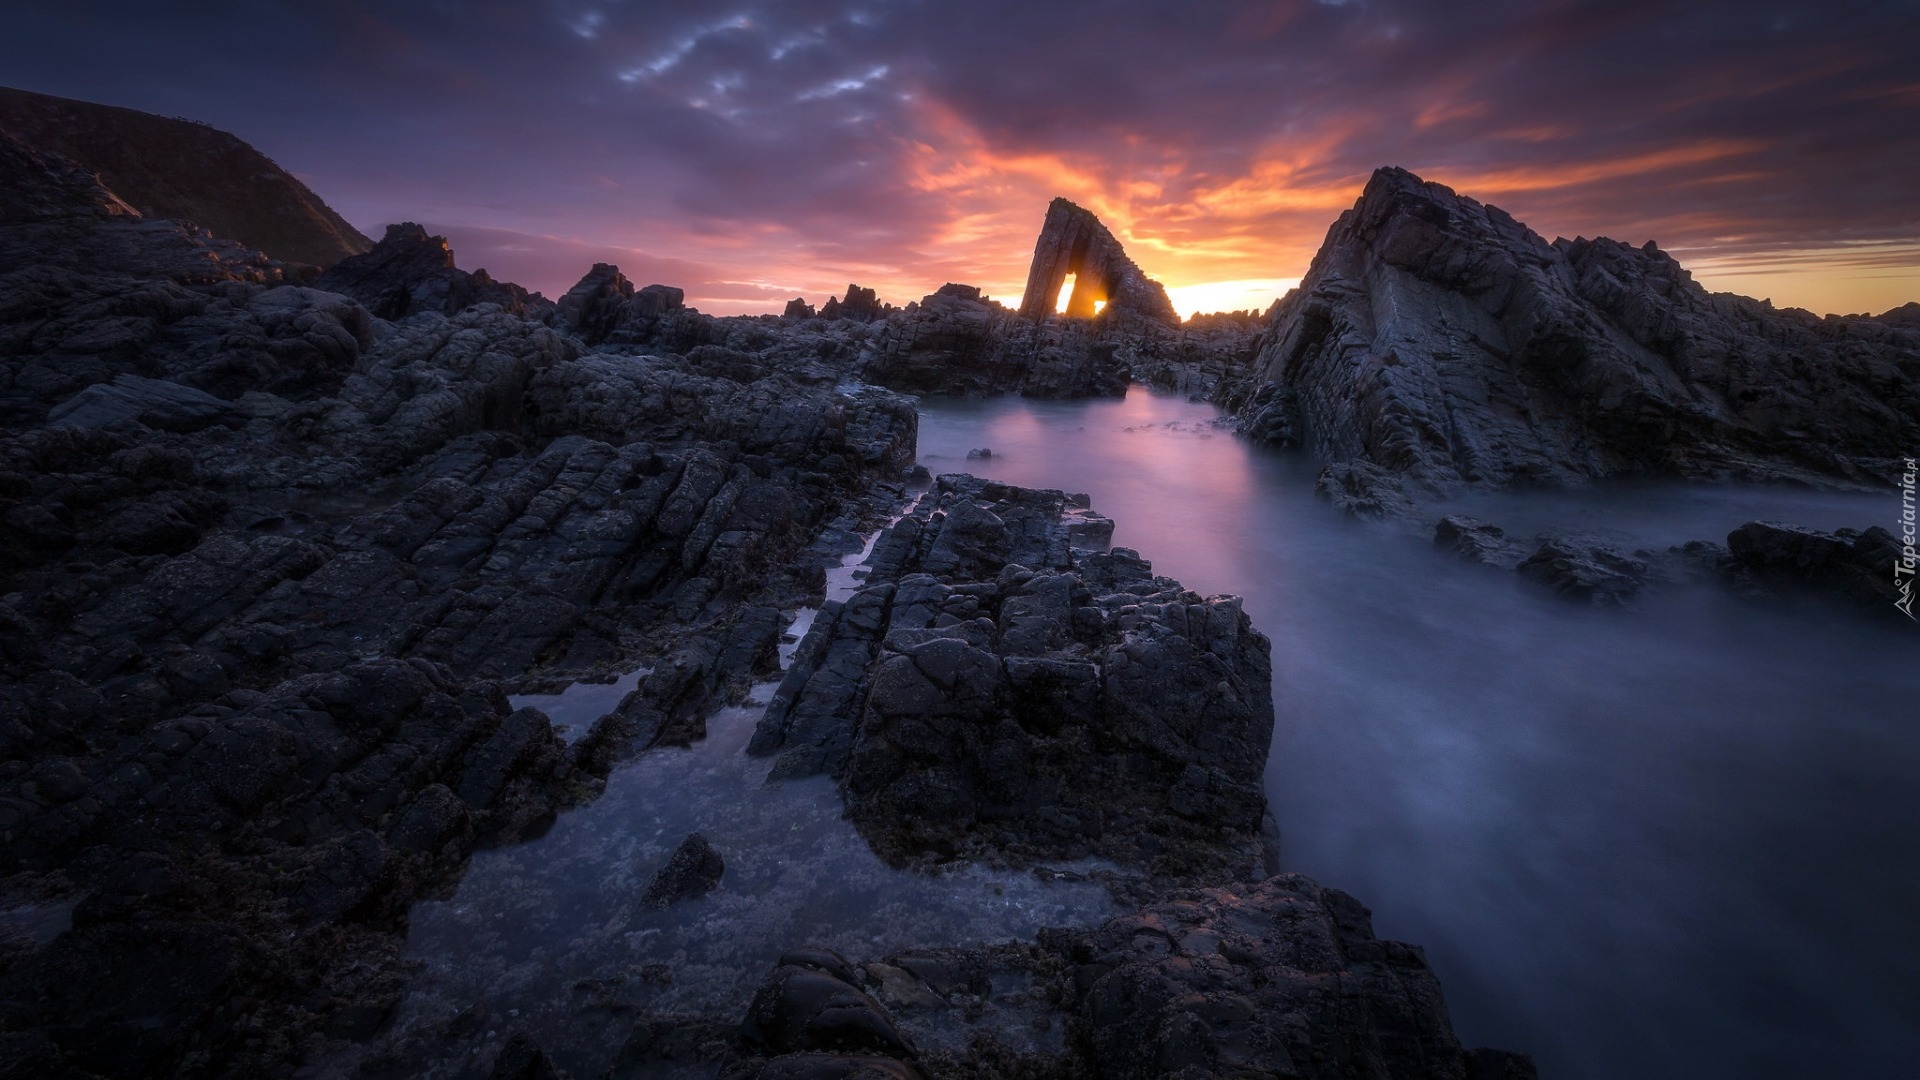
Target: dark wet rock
{"type": "Point", "coordinates": [605, 308]}
{"type": "Point", "coordinates": [1859, 568]}
{"type": "Point", "coordinates": [691, 872]}
{"type": "Point", "coordinates": [1211, 357]}
{"type": "Point", "coordinates": [62, 332]}
{"type": "Point", "coordinates": [409, 271]}
{"type": "Point", "coordinates": [296, 829]}
{"type": "Point", "coordinates": [1073, 241]}
{"type": "Point", "coordinates": [798, 308]}
{"type": "Point", "coordinates": [1280, 978]}
{"type": "Point", "coordinates": [1587, 571]}
{"type": "Point", "coordinates": [1001, 688]}
{"type": "Point", "coordinates": [834, 1067]}
{"type": "Point", "coordinates": [1443, 342]}
{"type": "Point", "coordinates": [1363, 490]}
{"type": "Point", "coordinates": [130, 399]}
{"type": "Point", "coordinates": [265, 557]}
{"type": "Point", "coordinates": [812, 1002]}
{"type": "Point", "coordinates": [1480, 541]}
{"type": "Point", "coordinates": [591, 309]}
{"type": "Point", "coordinates": [522, 1059]}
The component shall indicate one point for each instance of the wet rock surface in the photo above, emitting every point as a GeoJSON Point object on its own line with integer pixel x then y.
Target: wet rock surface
{"type": "Point", "coordinates": [1760, 561]}
{"type": "Point", "coordinates": [1476, 540]}
{"type": "Point", "coordinates": [269, 557]}
{"type": "Point", "coordinates": [693, 870]}
{"type": "Point", "coordinates": [1278, 977]}
{"type": "Point", "coordinates": [1005, 687]}
{"type": "Point", "coordinates": [1858, 568]}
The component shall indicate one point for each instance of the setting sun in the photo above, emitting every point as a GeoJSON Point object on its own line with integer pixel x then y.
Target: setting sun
{"type": "Point", "coordinates": [1246, 294]}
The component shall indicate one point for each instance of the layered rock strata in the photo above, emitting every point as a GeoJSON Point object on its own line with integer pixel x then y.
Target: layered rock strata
{"type": "Point", "coordinates": [1073, 242]}
{"type": "Point", "coordinates": [1005, 687]}
{"type": "Point", "coordinates": [1445, 344]}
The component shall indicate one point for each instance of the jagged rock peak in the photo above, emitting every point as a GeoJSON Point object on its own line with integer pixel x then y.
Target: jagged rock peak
{"type": "Point", "coordinates": [411, 271]}
{"type": "Point", "coordinates": [406, 247]}
{"type": "Point", "coordinates": [410, 236]}
{"type": "Point", "coordinates": [604, 306]}
{"type": "Point", "coordinates": [861, 305]}
{"type": "Point", "coordinates": [1437, 341]}
{"type": "Point", "coordinates": [1073, 241]}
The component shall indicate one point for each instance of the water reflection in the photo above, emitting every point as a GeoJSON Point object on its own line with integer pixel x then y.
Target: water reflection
{"type": "Point", "coordinates": [1676, 841]}
{"type": "Point", "coordinates": [573, 709]}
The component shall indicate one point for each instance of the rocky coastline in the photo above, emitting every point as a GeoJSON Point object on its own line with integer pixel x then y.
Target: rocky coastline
{"type": "Point", "coordinates": [1438, 347]}
{"type": "Point", "coordinates": [279, 545]}
{"type": "Point", "coordinates": [280, 541]}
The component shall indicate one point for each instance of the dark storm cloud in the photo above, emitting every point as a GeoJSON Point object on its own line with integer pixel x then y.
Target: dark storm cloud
{"type": "Point", "coordinates": [795, 146]}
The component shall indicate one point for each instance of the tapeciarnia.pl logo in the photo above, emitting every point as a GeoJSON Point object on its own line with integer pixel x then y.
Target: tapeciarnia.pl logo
{"type": "Point", "coordinates": [1903, 567]}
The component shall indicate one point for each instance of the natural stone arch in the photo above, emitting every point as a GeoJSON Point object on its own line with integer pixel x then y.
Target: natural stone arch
{"type": "Point", "coordinates": [1073, 241]}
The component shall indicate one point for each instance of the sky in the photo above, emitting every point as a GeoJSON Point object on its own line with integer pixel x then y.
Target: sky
{"type": "Point", "coordinates": [755, 151]}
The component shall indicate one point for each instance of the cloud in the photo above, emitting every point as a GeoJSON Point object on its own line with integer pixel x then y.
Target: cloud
{"type": "Point", "coordinates": [901, 143]}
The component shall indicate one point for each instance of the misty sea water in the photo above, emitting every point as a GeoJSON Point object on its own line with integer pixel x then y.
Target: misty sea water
{"type": "Point", "coordinates": [1680, 840]}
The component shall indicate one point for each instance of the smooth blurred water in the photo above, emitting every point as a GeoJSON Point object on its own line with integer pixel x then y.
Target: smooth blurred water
{"type": "Point", "coordinates": [1681, 840]}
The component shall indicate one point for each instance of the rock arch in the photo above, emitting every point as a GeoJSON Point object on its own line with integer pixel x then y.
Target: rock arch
{"type": "Point", "coordinates": [1073, 241]}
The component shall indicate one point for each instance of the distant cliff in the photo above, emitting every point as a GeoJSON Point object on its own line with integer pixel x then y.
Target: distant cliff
{"type": "Point", "coordinates": [183, 170]}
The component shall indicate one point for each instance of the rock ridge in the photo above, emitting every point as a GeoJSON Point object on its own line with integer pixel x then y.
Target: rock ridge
{"type": "Point", "coordinates": [1438, 344]}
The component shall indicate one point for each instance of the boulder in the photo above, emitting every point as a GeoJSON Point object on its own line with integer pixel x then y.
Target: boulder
{"type": "Point", "coordinates": [1587, 571]}
{"type": "Point", "coordinates": [691, 872]}
{"type": "Point", "coordinates": [1860, 568]}
{"type": "Point", "coordinates": [1277, 978]}
{"type": "Point", "coordinates": [812, 1002]}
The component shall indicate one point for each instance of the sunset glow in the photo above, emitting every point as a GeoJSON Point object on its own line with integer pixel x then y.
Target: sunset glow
{"type": "Point", "coordinates": [759, 152]}
{"type": "Point", "coordinates": [1251, 294]}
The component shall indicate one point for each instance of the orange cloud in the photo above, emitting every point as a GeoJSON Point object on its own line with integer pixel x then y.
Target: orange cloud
{"type": "Point", "coordinates": [1546, 177]}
